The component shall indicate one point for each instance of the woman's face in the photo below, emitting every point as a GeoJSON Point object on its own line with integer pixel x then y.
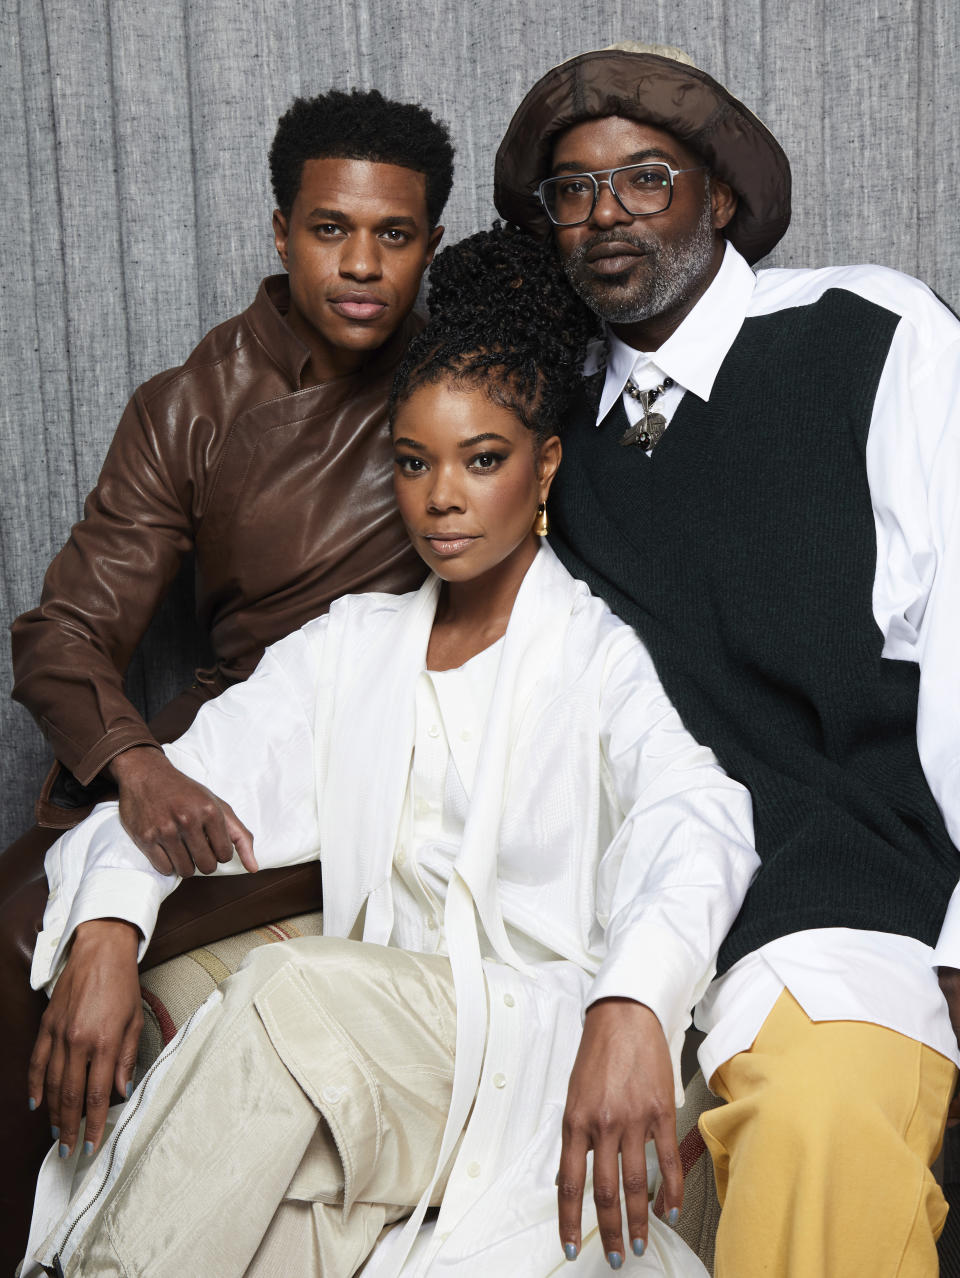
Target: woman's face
{"type": "Point", "coordinates": [468, 477]}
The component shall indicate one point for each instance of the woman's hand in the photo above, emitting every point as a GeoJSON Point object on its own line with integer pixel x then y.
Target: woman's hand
{"type": "Point", "coordinates": [620, 1096]}
{"type": "Point", "coordinates": [89, 1033]}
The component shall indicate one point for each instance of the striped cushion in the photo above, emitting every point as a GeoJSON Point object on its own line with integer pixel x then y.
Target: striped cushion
{"type": "Point", "coordinates": [697, 1225]}
{"type": "Point", "coordinates": [173, 990]}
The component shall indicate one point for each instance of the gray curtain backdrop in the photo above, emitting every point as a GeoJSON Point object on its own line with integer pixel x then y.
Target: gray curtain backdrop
{"type": "Point", "coordinates": [136, 204]}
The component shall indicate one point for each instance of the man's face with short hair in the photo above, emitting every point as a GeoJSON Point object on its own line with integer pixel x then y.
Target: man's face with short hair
{"type": "Point", "coordinates": [355, 245]}
{"type": "Point", "coordinates": [641, 274]}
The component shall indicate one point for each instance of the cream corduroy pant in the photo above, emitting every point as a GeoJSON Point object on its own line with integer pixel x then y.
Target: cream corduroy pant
{"type": "Point", "coordinates": [298, 1118]}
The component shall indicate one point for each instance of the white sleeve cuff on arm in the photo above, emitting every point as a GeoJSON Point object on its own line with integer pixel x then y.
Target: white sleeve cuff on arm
{"type": "Point", "coordinates": [95, 871]}
{"type": "Point", "coordinates": [652, 966]}
{"type": "Point", "coordinates": [103, 894]}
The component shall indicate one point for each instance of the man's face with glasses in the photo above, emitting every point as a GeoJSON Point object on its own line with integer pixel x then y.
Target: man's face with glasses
{"type": "Point", "coordinates": [636, 221]}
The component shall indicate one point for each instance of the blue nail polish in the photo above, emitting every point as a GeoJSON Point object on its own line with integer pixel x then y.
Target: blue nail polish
{"type": "Point", "coordinates": [614, 1259]}
{"type": "Point", "coordinates": [570, 1251]}
{"type": "Point", "coordinates": [128, 1090]}
{"type": "Point", "coordinates": [31, 1103]}
{"type": "Point", "coordinates": [64, 1150]}
{"type": "Point", "coordinates": [87, 1148]}
{"type": "Point", "coordinates": [639, 1246]}
{"type": "Point", "coordinates": [673, 1215]}
{"type": "Point", "coordinates": [55, 1133]}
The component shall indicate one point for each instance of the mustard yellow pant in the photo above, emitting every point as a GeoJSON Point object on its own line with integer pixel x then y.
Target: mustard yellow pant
{"type": "Point", "coordinates": [822, 1154]}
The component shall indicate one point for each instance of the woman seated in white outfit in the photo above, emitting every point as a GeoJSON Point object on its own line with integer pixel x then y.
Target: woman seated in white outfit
{"type": "Point", "coordinates": [528, 867]}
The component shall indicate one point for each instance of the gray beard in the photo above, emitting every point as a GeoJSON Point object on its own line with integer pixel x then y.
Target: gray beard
{"type": "Point", "coordinates": [676, 271]}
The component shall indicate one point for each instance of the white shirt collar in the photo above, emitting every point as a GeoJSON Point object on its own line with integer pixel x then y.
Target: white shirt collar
{"type": "Point", "coordinates": [692, 355]}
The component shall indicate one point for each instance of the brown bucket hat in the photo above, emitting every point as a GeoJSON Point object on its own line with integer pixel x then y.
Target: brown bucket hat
{"type": "Point", "coordinates": [664, 92]}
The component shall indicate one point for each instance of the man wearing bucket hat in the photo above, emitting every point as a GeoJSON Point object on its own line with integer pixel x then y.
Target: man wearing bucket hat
{"type": "Point", "coordinates": [759, 476]}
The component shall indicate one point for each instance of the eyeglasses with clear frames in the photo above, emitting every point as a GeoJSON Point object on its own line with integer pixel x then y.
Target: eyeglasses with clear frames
{"type": "Point", "coordinates": [639, 189]}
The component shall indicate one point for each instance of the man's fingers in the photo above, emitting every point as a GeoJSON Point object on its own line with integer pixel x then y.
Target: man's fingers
{"type": "Point", "coordinates": [156, 854]}
{"type": "Point", "coordinates": [241, 838]}
{"type": "Point", "coordinates": [671, 1169]}
{"type": "Point", "coordinates": [606, 1196]}
{"type": "Point", "coordinates": [180, 858]}
{"type": "Point", "coordinates": [633, 1159]}
{"type": "Point", "coordinates": [217, 830]}
{"type": "Point", "coordinates": [197, 844]}
{"type": "Point", "coordinates": [570, 1182]}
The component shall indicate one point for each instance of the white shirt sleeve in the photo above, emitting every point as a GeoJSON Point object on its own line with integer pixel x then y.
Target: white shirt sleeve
{"type": "Point", "coordinates": [675, 875]}
{"type": "Point", "coordinates": [253, 747]}
{"type": "Point", "coordinates": [913, 468]}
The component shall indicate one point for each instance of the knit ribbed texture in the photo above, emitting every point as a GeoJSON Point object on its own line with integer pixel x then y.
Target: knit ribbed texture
{"type": "Point", "coordinates": [743, 551]}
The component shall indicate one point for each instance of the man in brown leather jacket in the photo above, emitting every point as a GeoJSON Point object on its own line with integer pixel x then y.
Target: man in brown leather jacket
{"type": "Point", "coordinates": [266, 452]}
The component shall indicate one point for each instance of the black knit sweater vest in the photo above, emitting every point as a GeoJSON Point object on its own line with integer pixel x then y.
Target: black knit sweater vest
{"type": "Point", "coordinates": [743, 551]}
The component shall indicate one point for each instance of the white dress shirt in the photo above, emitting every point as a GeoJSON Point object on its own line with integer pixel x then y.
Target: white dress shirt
{"type": "Point", "coordinates": [913, 471]}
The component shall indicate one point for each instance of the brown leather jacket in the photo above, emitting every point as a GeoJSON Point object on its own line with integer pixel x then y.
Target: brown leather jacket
{"type": "Point", "coordinates": [285, 494]}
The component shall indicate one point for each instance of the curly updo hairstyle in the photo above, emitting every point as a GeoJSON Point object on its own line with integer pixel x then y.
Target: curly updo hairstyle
{"type": "Point", "coordinates": [503, 319]}
{"type": "Point", "coordinates": [361, 125]}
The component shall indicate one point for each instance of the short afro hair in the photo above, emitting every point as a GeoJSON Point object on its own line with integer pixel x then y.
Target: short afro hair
{"type": "Point", "coordinates": [502, 318]}
{"type": "Point", "coordinates": [361, 125]}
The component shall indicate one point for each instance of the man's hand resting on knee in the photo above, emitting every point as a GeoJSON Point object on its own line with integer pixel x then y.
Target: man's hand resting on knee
{"type": "Point", "coordinates": [88, 1036]}
{"type": "Point", "coordinates": [620, 1096]}
{"type": "Point", "coordinates": [177, 823]}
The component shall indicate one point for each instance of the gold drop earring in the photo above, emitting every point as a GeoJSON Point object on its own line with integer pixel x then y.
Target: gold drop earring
{"type": "Point", "coordinates": [541, 525]}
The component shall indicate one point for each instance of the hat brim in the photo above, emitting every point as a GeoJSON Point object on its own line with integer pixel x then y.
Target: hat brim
{"type": "Point", "coordinates": [669, 95]}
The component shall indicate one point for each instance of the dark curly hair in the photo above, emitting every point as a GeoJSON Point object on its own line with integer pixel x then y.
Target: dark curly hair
{"type": "Point", "coordinates": [361, 125]}
{"type": "Point", "coordinates": [504, 318]}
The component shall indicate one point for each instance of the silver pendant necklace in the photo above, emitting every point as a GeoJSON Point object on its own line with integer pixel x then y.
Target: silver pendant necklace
{"type": "Point", "coordinates": [648, 431]}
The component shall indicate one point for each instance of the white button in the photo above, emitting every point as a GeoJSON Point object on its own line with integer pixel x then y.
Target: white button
{"type": "Point", "coordinates": [422, 807]}
{"type": "Point", "coordinates": [473, 1170]}
{"type": "Point", "coordinates": [53, 895]}
{"type": "Point", "coordinates": [432, 923]}
{"type": "Point", "coordinates": [433, 730]}
{"type": "Point", "coordinates": [331, 1094]}
{"type": "Point", "coordinates": [401, 857]}
{"type": "Point", "coordinates": [509, 1000]}
{"type": "Point", "coordinates": [466, 735]}
{"type": "Point", "coordinates": [499, 1080]}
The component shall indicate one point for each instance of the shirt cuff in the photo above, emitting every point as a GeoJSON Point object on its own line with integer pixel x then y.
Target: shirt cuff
{"type": "Point", "coordinates": [652, 966]}
{"type": "Point", "coordinates": [947, 952]}
{"type": "Point", "coordinates": [103, 894]}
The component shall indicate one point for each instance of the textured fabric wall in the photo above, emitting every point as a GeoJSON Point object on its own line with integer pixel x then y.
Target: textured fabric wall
{"type": "Point", "coordinates": [136, 206]}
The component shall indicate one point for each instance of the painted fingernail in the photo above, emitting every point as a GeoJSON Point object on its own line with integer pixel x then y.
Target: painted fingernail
{"type": "Point", "coordinates": [639, 1246]}
{"type": "Point", "coordinates": [128, 1090]}
{"type": "Point", "coordinates": [614, 1259]}
{"type": "Point", "coordinates": [55, 1133]}
{"type": "Point", "coordinates": [31, 1103]}
{"type": "Point", "coordinates": [673, 1215]}
{"type": "Point", "coordinates": [64, 1150]}
{"type": "Point", "coordinates": [570, 1251]}
{"type": "Point", "coordinates": [88, 1148]}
